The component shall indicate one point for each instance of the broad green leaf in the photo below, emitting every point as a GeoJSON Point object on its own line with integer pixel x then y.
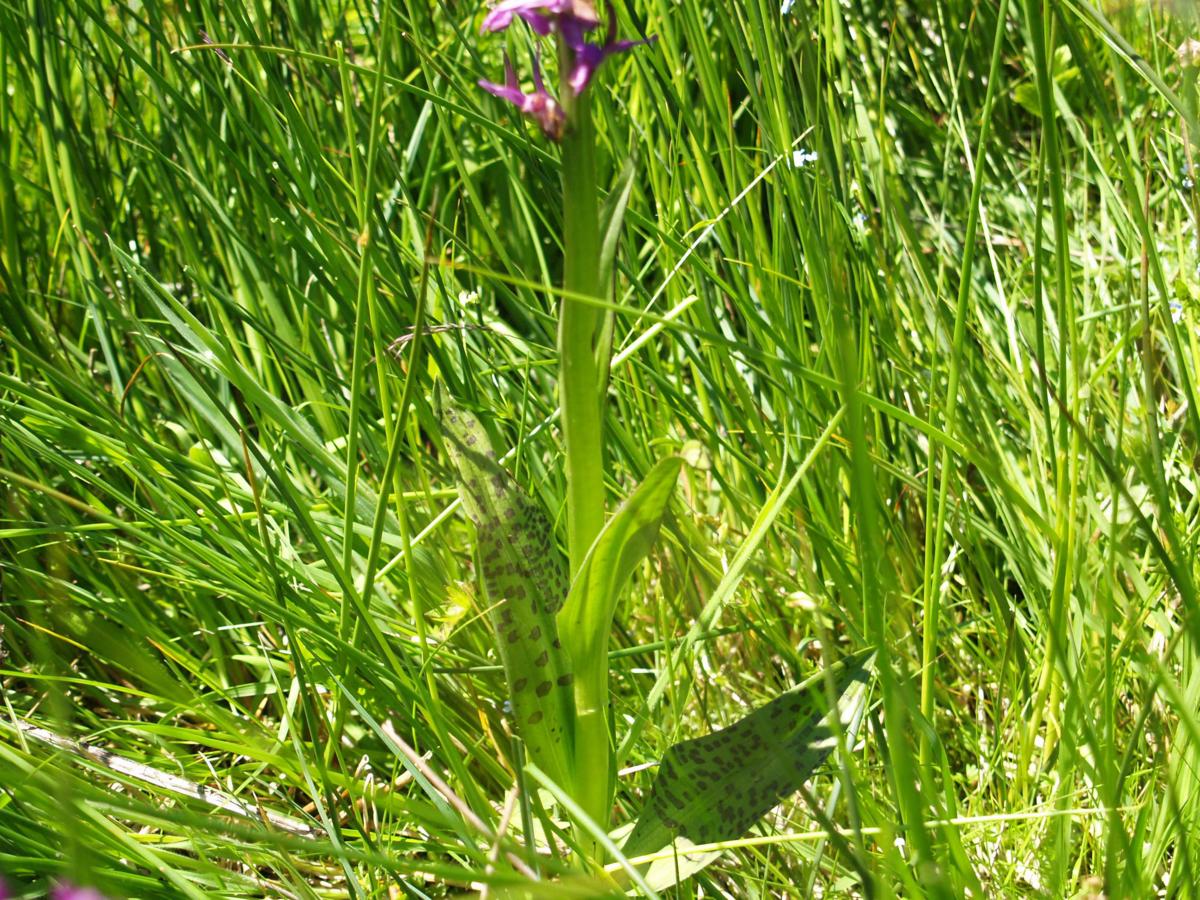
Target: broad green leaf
{"type": "Point", "coordinates": [626, 540]}
{"type": "Point", "coordinates": [715, 788]}
{"type": "Point", "coordinates": [586, 620]}
{"type": "Point", "coordinates": [525, 582]}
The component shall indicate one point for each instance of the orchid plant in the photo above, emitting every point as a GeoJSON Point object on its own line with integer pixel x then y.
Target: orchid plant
{"type": "Point", "coordinates": [551, 618]}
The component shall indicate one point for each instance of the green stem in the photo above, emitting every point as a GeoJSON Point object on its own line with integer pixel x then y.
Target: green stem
{"type": "Point", "coordinates": [580, 380]}
{"type": "Point", "coordinates": [583, 365]}
{"type": "Point", "coordinates": [595, 775]}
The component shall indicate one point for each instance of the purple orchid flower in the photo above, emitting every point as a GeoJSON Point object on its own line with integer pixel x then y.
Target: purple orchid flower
{"type": "Point", "coordinates": [572, 17]}
{"type": "Point", "coordinates": [539, 106]}
{"type": "Point", "coordinates": [588, 57]}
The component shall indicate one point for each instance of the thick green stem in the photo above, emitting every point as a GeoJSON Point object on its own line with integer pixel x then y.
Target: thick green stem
{"type": "Point", "coordinates": [581, 383]}
{"type": "Point", "coordinates": [595, 778]}
{"type": "Point", "coordinates": [583, 376]}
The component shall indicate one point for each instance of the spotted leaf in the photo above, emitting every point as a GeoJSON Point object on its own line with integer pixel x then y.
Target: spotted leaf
{"type": "Point", "coordinates": [524, 584]}
{"type": "Point", "coordinates": [716, 787]}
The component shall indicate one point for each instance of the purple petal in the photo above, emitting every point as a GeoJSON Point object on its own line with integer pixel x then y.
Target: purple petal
{"type": "Point", "coordinates": [622, 46]}
{"type": "Point", "coordinates": [502, 13]}
{"type": "Point", "coordinates": [510, 74]}
{"type": "Point", "coordinates": [574, 33]}
{"type": "Point", "coordinates": [535, 12]}
{"type": "Point", "coordinates": [538, 84]}
{"type": "Point", "coordinates": [588, 58]}
{"type": "Point", "coordinates": [543, 16]}
{"type": "Point", "coordinates": [496, 20]}
{"type": "Point", "coordinates": [504, 92]}
{"type": "Point", "coordinates": [541, 24]}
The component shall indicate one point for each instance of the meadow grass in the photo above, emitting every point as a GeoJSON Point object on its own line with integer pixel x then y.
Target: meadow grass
{"type": "Point", "coordinates": [912, 287]}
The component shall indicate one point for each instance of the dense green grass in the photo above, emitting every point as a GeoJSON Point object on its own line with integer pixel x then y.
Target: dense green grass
{"type": "Point", "coordinates": [211, 263]}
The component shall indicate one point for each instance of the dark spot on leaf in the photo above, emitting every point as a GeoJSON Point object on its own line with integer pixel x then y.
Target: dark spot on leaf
{"type": "Point", "coordinates": [543, 689]}
{"type": "Point", "coordinates": [535, 717]}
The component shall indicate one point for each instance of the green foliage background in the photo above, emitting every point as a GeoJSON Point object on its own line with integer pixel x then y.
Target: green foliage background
{"type": "Point", "coordinates": [206, 573]}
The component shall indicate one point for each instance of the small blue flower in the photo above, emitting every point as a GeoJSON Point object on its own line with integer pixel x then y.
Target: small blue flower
{"type": "Point", "coordinates": [802, 157]}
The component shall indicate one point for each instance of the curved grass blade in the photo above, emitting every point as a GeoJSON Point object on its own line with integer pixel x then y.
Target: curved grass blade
{"type": "Point", "coordinates": [715, 788]}
{"type": "Point", "coordinates": [525, 582]}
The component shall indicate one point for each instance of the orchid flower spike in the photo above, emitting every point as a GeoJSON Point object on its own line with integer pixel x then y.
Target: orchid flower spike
{"type": "Point", "coordinates": [572, 20]}
{"type": "Point", "coordinates": [588, 57]}
{"type": "Point", "coordinates": [539, 106]}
